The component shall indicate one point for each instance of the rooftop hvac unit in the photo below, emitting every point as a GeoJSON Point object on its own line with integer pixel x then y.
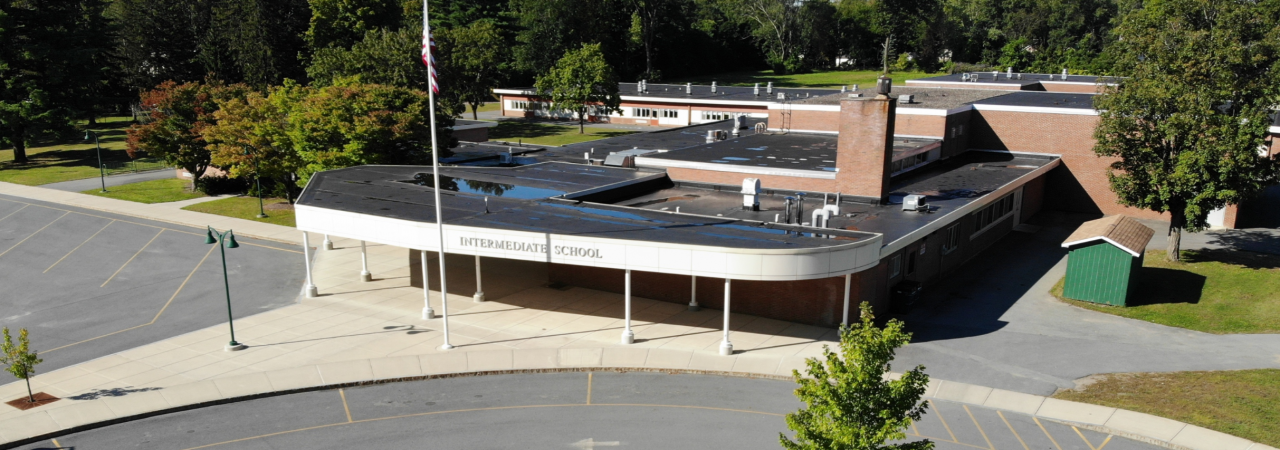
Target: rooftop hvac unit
{"type": "Point", "coordinates": [914, 203]}
{"type": "Point", "coordinates": [750, 194]}
{"type": "Point", "coordinates": [504, 158]}
{"type": "Point", "coordinates": [906, 98]}
{"type": "Point", "coordinates": [620, 160]}
{"type": "Point", "coordinates": [782, 96]}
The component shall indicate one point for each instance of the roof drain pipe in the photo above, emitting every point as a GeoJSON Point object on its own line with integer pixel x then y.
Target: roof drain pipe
{"type": "Point", "coordinates": [789, 207]}
{"type": "Point", "coordinates": [799, 208]}
{"type": "Point", "coordinates": [486, 204]}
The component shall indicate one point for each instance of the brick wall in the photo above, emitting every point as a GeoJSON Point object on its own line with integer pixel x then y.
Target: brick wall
{"type": "Point", "coordinates": [910, 124]}
{"type": "Point", "coordinates": [805, 120]}
{"type": "Point", "coordinates": [1080, 183]}
{"type": "Point", "coordinates": [1079, 88]}
{"type": "Point", "coordinates": [815, 302]}
{"type": "Point", "coordinates": [766, 181]}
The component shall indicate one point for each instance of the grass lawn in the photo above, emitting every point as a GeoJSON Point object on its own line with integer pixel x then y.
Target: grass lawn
{"type": "Point", "coordinates": [548, 134]}
{"type": "Point", "coordinates": [491, 106]}
{"type": "Point", "coordinates": [1214, 291]}
{"type": "Point", "coordinates": [1239, 402]}
{"type": "Point", "coordinates": [154, 191]}
{"type": "Point", "coordinates": [51, 162]}
{"type": "Point", "coordinates": [246, 208]}
{"type": "Point", "coordinates": [862, 78]}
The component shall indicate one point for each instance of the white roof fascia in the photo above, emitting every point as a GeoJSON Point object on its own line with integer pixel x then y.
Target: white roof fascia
{"type": "Point", "coordinates": [1038, 110]}
{"type": "Point", "coordinates": [1102, 238]}
{"type": "Point", "coordinates": [659, 162]}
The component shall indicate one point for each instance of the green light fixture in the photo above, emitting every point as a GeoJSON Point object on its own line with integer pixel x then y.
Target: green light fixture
{"type": "Point", "coordinates": [228, 241]}
{"type": "Point", "coordinates": [208, 238]}
{"type": "Point", "coordinates": [231, 240]}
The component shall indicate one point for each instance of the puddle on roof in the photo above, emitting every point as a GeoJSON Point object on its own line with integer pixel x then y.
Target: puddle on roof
{"type": "Point", "coordinates": [466, 186]}
{"type": "Point", "coordinates": [735, 158]}
{"type": "Point", "coordinates": [608, 213]}
{"type": "Point", "coordinates": [758, 149]}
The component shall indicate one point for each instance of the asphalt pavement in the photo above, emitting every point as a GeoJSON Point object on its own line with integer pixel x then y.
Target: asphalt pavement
{"type": "Point", "coordinates": [88, 283]}
{"type": "Point", "coordinates": [553, 410]}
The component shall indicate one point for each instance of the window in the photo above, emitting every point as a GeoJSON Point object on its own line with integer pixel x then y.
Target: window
{"type": "Point", "coordinates": [909, 162]}
{"type": "Point", "coordinates": [520, 104]}
{"type": "Point", "coordinates": [911, 262]}
{"type": "Point", "coordinates": [715, 115]}
{"type": "Point", "coordinates": [600, 111]}
{"type": "Point", "coordinates": [951, 241]}
{"type": "Point", "coordinates": [670, 113]}
{"type": "Point", "coordinates": [996, 211]}
{"type": "Point", "coordinates": [895, 265]}
{"type": "Point", "coordinates": [644, 112]}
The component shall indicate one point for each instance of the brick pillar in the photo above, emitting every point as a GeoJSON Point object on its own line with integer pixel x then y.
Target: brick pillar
{"type": "Point", "coordinates": [865, 147]}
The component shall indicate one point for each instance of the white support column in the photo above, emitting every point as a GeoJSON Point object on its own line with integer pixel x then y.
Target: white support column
{"type": "Point", "coordinates": [328, 244]}
{"type": "Point", "coordinates": [364, 264]}
{"type": "Point", "coordinates": [726, 347]}
{"type": "Point", "coordinates": [479, 297]}
{"type": "Point", "coordinates": [848, 277]}
{"type": "Point", "coordinates": [427, 312]}
{"type": "Point", "coordinates": [627, 336]}
{"type": "Point", "coordinates": [306, 255]}
{"type": "Point", "coordinates": [693, 295]}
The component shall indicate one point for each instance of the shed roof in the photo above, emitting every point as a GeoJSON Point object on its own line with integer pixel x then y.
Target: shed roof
{"type": "Point", "coordinates": [1121, 231]}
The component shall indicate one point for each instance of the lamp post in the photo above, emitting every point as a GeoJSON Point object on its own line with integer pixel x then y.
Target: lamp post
{"type": "Point", "coordinates": [228, 240]}
{"type": "Point", "coordinates": [257, 180]}
{"type": "Point", "coordinates": [102, 173]}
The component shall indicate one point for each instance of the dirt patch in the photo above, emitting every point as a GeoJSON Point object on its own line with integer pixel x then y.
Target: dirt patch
{"type": "Point", "coordinates": [279, 206]}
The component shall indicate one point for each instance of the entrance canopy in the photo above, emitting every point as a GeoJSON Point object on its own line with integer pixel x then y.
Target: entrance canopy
{"type": "Point", "coordinates": [548, 212]}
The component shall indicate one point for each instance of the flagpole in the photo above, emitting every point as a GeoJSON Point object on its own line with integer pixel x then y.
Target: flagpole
{"type": "Point", "coordinates": [429, 56]}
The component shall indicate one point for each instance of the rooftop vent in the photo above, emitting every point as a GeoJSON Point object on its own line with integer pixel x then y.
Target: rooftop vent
{"type": "Point", "coordinates": [914, 203]}
{"type": "Point", "coordinates": [769, 88]}
{"type": "Point", "coordinates": [688, 88]}
{"type": "Point", "coordinates": [713, 87]}
{"type": "Point", "coordinates": [907, 98]}
{"type": "Point", "coordinates": [757, 90]}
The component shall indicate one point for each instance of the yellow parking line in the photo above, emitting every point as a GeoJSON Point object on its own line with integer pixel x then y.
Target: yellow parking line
{"type": "Point", "coordinates": [55, 443]}
{"type": "Point", "coordinates": [1105, 441]}
{"type": "Point", "coordinates": [135, 255]}
{"type": "Point", "coordinates": [135, 223]}
{"type": "Point", "coordinates": [33, 234]}
{"type": "Point", "coordinates": [975, 423]}
{"type": "Point", "coordinates": [344, 405]}
{"type": "Point", "coordinates": [1046, 433]}
{"type": "Point", "coordinates": [6, 216]}
{"type": "Point", "coordinates": [1090, 444]}
{"type": "Point", "coordinates": [86, 241]}
{"type": "Point", "coordinates": [944, 421]}
{"type": "Point", "coordinates": [157, 317]}
{"type": "Point", "coordinates": [1015, 432]}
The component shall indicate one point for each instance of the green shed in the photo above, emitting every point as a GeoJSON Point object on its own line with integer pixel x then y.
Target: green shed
{"type": "Point", "coordinates": [1104, 260]}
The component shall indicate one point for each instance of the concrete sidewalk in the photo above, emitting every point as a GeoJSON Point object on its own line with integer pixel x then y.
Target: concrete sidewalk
{"type": "Point", "coordinates": [359, 332]}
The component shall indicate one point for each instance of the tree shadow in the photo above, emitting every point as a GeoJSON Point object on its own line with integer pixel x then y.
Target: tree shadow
{"type": "Point", "coordinates": [509, 129]}
{"type": "Point", "coordinates": [1262, 240]}
{"type": "Point", "coordinates": [1158, 285]}
{"type": "Point", "coordinates": [113, 392]}
{"type": "Point", "coordinates": [1249, 259]}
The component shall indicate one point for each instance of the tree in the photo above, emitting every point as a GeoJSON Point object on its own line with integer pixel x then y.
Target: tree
{"type": "Point", "coordinates": [849, 402]}
{"type": "Point", "coordinates": [179, 114]}
{"type": "Point", "coordinates": [581, 80]}
{"type": "Point", "coordinates": [250, 138]}
{"type": "Point", "coordinates": [351, 123]}
{"type": "Point", "coordinates": [553, 27]}
{"type": "Point", "coordinates": [1189, 119]}
{"type": "Point", "coordinates": [647, 18]}
{"type": "Point", "coordinates": [342, 23]}
{"type": "Point", "coordinates": [20, 359]}
{"type": "Point", "coordinates": [476, 62]}
{"type": "Point", "coordinates": [775, 26]}
{"type": "Point", "coordinates": [47, 62]}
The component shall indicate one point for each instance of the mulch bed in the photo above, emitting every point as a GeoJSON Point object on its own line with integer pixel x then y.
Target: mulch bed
{"type": "Point", "coordinates": [24, 403]}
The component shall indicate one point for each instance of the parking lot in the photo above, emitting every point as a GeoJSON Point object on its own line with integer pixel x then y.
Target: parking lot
{"type": "Point", "coordinates": [555, 410]}
{"type": "Point", "coordinates": [88, 284]}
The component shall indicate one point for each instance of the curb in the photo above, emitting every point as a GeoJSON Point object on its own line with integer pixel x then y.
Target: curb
{"type": "Point", "coordinates": [91, 414]}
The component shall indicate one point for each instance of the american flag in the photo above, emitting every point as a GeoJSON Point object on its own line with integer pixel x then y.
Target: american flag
{"type": "Point", "coordinates": [428, 54]}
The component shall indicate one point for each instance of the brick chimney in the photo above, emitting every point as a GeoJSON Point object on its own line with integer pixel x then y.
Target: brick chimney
{"type": "Point", "coordinates": [865, 147]}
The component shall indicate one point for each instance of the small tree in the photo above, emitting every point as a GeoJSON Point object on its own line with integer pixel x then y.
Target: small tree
{"type": "Point", "coordinates": [579, 81]}
{"type": "Point", "coordinates": [21, 361]}
{"type": "Point", "coordinates": [479, 56]}
{"type": "Point", "coordinates": [850, 403]}
{"type": "Point", "coordinates": [1188, 121]}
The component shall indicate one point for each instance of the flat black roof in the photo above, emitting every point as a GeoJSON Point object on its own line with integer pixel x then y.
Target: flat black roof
{"type": "Point", "coordinates": [949, 185]}
{"type": "Point", "coordinates": [1003, 78]}
{"type": "Point", "coordinates": [922, 97]}
{"type": "Point", "coordinates": [722, 93]}
{"type": "Point", "coordinates": [800, 151]}
{"type": "Point", "coordinates": [1041, 100]}
{"type": "Point", "coordinates": [383, 191]}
